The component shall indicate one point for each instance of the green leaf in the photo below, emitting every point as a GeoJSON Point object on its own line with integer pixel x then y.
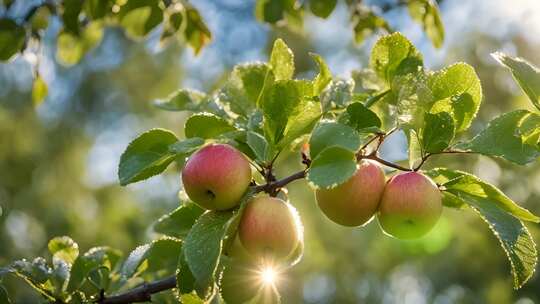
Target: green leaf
{"type": "Point", "coordinates": [301, 122]}
{"type": "Point", "coordinates": [203, 246]}
{"type": "Point", "coordinates": [174, 17]}
{"type": "Point", "coordinates": [338, 94]}
{"type": "Point", "coordinates": [332, 167]}
{"type": "Point", "coordinates": [4, 297]}
{"type": "Point", "coordinates": [139, 17]}
{"type": "Point", "coordinates": [196, 32]}
{"type": "Point", "coordinates": [360, 118]}
{"type": "Point", "coordinates": [245, 87]}
{"type": "Point", "coordinates": [182, 100]}
{"type": "Point", "coordinates": [287, 110]}
{"type": "Point", "coordinates": [367, 82]}
{"type": "Point", "coordinates": [95, 258]}
{"type": "Point", "coordinates": [70, 47]}
{"type": "Point", "coordinates": [160, 255]}
{"type": "Point", "coordinates": [503, 138]}
{"type": "Point", "coordinates": [365, 22]}
{"type": "Point", "coordinates": [502, 215]}
{"type": "Point", "coordinates": [438, 132]}
{"type": "Point", "coordinates": [411, 97]}
{"type": "Point", "coordinates": [456, 90]}
{"type": "Point", "coordinates": [323, 78]}
{"type": "Point", "coordinates": [77, 297]}
{"type": "Point", "coordinates": [39, 91]}
{"type": "Point", "coordinates": [260, 146]}
{"type": "Point", "coordinates": [179, 222]}
{"type": "Point", "coordinates": [206, 125]}
{"type": "Point", "coordinates": [186, 146]}
{"type": "Point", "coordinates": [328, 133]}
{"type": "Point", "coordinates": [190, 299]}
{"type": "Point", "coordinates": [322, 8]}
{"type": "Point", "coordinates": [282, 61]}
{"type": "Point", "coordinates": [414, 147]}
{"type": "Point", "coordinates": [473, 187]}
{"type": "Point", "coordinates": [530, 130]}
{"type": "Point", "coordinates": [36, 273]}
{"type": "Point", "coordinates": [451, 201]}
{"type": "Point", "coordinates": [272, 11]}
{"type": "Point", "coordinates": [426, 12]}
{"type": "Point", "coordinates": [526, 75]}
{"type": "Point", "coordinates": [146, 156]}
{"type": "Point", "coordinates": [40, 20]}
{"type": "Point", "coordinates": [70, 15]}
{"type": "Point", "coordinates": [515, 239]}
{"type": "Point", "coordinates": [394, 55]}
{"type": "Point", "coordinates": [12, 38]}
{"type": "Point", "coordinates": [64, 248]}
{"type": "Point", "coordinates": [185, 281]}
{"type": "Point", "coordinates": [97, 9]}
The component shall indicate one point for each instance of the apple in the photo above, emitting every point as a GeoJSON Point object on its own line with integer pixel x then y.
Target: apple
{"type": "Point", "coordinates": [242, 282]}
{"type": "Point", "coordinates": [410, 206]}
{"type": "Point", "coordinates": [270, 228]}
{"type": "Point", "coordinates": [355, 202]}
{"type": "Point", "coordinates": [216, 177]}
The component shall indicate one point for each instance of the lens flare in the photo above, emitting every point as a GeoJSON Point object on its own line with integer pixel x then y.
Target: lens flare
{"type": "Point", "coordinates": [268, 276]}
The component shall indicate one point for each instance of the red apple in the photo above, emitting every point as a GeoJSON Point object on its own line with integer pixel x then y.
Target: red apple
{"type": "Point", "coordinates": [216, 177]}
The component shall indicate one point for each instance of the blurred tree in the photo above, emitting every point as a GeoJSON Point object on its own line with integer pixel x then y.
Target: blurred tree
{"type": "Point", "coordinates": [51, 183]}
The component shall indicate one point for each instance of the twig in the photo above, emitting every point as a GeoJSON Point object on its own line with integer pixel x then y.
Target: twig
{"type": "Point", "coordinates": [378, 135]}
{"type": "Point", "coordinates": [142, 293]}
{"type": "Point", "coordinates": [374, 157]}
{"type": "Point", "coordinates": [271, 187]}
{"type": "Point", "coordinates": [427, 156]}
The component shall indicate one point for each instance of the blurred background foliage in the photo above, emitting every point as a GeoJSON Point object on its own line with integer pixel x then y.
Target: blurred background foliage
{"type": "Point", "coordinates": [58, 160]}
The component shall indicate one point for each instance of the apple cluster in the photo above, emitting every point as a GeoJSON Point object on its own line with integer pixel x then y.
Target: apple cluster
{"type": "Point", "coordinates": [217, 176]}
{"type": "Point", "coordinates": [407, 206]}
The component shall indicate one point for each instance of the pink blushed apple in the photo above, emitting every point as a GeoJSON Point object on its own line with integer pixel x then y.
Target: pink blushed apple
{"type": "Point", "coordinates": [354, 202]}
{"type": "Point", "coordinates": [270, 228]}
{"type": "Point", "coordinates": [410, 206]}
{"type": "Point", "coordinates": [216, 177]}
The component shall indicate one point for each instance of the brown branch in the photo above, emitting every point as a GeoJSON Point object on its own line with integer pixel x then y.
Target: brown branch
{"type": "Point", "coordinates": [140, 294]}
{"type": "Point", "coordinates": [272, 187]}
{"type": "Point", "coordinates": [374, 157]}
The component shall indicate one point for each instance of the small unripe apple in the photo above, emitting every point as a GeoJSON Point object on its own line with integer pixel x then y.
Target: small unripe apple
{"type": "Point", "coordinates": [410, 206]}
{"type": "Point", "coordinates": [354, 202]}
{"type": "Point", "coordinates": [216, 177]}
{"type": "Point", "coordinates": [242, 282]}
{"type": "Point", "coordinates": [270, 228]}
